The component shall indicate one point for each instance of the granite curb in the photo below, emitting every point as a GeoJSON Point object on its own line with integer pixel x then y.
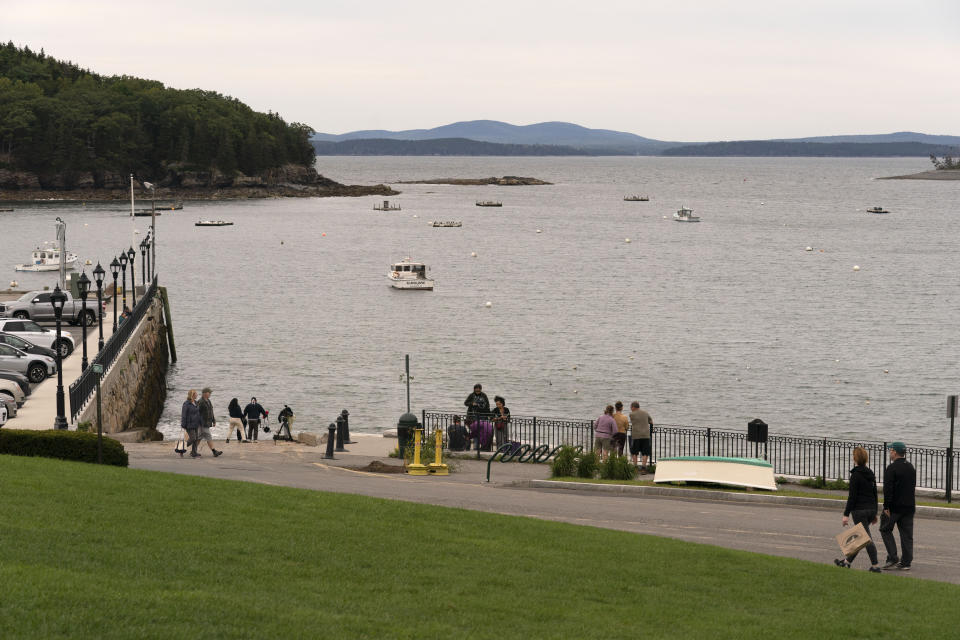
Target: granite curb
{"type": "Point", "coordinates": [823, 504]}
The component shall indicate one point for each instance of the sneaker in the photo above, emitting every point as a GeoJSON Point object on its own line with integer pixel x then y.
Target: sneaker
{"type": "Point", "coordinates": [841, 562]}
{"type": "Point", "coordinates": [891, 564]}
{"type": "Point", "coordinates": [228, 440]}
{"type": "Point", "coordinates": [217, 453]}
{"type": "Point", "coordinates": [902, 567]}
{"type": "Point", "coordinates": [874, 569]}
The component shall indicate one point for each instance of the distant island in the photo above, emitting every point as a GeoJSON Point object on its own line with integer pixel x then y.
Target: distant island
{"type": "Point", "coordinates": [64, 129]}
{"type": "Point", "coordinates": [781, 148]}
{"type": "Point", "coordinates": [439, 147]}
{"type": "Point", "coordinates": [505, 181]}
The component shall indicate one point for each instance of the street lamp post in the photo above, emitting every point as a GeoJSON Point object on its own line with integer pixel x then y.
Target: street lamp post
{"type": "Point", "coordinates": [123, 269]}
{"type": "Point", "coordinates": [59, 298]}
{"type": "Point", "coordinates": [98, 274]}
{"type": "Point", "coordinates": [132, 255]}
{"type": "Point", "coordinates": [149, 268]}
{"type": "Point", "coordinates": [143, 262]}
{"type": "Point", "coordinates": [83, 287]}
{"type": "Point", "coordinates": [115, 270]}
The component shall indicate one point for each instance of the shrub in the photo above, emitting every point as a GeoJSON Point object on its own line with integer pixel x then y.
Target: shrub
{"type": "Point", "coordinates": [84, 426]}
{"type": "Point", "coordinates": [564, 463]}
{"type": "Point", "coordinates": [588, 465]}
{"type": "Point", "coordinates": [617, 468]}
{"type": "Point", "coordinates": [819, 483]}
{"type": "Point", "coordinates": [64, 445]}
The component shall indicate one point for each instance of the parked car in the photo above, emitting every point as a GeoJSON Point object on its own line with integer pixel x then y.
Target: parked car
{"type": "Point", "coordinates": [25, 345]}
{"type": "Point", "coordinates": [11, 407]}
{"type": "Point", "coordinates": [11, 391]}
{"type": "Point", "coordinates": [22, 381]}
{"type": "Point", "coordinates": [35, 367]}
{"type": "Point", "coordinates": [36, 305]}
{"type": "Point", "coordinates": [41, 336]}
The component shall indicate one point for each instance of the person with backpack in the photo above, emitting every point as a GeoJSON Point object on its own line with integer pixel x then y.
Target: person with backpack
{"type": "Point", "coordinates": [861, 506]}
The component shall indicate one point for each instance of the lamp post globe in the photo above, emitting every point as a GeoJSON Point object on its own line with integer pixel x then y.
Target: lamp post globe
{"type": "Point", "coordinates": [58, 299]}
{"type": "Point", "coordinates": [83, 287]}
{"type": "Point", "coordinates": [132, 255]}
{"type": "Point", "coordinates": [115, 270]}
{"type": "Point", "coordinates": [98, 274]}
{"type": "Point", "coordinates": [123, 277]}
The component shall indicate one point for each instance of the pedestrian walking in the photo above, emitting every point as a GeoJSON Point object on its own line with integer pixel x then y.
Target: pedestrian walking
{"type": "Point", "coordinates": [237, 422]}
{"type": "Point", "coordinates": [899, 505]}
{"type": "Point", "coordinates": [501, 421]}
{"type": "Point", "coordinates": [861, 506]}
{"type": "Point", "coordinates": [640, 443]}
{"type": "Point", "coordinates": [620, 437]}
{"type": "Point", "coordinates": [207, 420]}
{"type": "Point", "coordinates": [190, 421]}
{"type": "Point", "coordinates": [603, 431]}
{"type": "Point", "coordinates": [254, 412]}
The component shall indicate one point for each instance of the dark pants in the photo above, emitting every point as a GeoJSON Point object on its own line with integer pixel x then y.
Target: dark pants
{"type": "Point", "coordinates": [864, 517]}
{"type": "Point", "coordinates": [904, 522]}
{"type": "Point", "coordinates": [192, 439]}
{"type": "Point", "coordinates": [253, 428]}
{"type": "Point", "coordinates": [619, 441]}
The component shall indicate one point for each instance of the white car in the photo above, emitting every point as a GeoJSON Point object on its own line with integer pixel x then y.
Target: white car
{"type": "Point", "coordinates": [35, 366]}
{"type": "Point", "coordinates": [40, 336]}
{"type": "Point", "coordinates": [11, 391]}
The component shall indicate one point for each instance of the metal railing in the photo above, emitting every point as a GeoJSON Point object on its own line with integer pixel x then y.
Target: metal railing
{"type": "Point", "coordinates": [84, 386]}
{"type": "Point", "coordinates": [790, 455]}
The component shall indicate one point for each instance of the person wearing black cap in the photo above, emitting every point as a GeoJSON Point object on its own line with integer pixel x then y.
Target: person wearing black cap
{"type": "Point", "coordinates": [478, 408]}
{"type": "Point", "coordinates": [899, 505]}
{"type": "Point", "coordinates": [254, 411]}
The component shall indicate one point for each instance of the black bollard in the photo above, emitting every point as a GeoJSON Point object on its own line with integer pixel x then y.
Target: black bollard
{"type": "Point", "coordinates": [346, 427]}
{"type": "Point", "coordinates": [330, 437]}
{"type": "Point", "coordinates": [340, 434]}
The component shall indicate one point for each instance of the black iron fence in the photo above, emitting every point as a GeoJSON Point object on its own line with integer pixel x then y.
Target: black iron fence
{"type": "Point", "coordinates": [84, 386]}
{"type": "Point", "coordinates": [789, 455]}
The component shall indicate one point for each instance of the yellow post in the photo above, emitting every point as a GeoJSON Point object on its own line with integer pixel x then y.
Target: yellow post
{"type": "Point", "coordinates": [417, 469]}
{"type": "Point", "coordinates": [437, 467]}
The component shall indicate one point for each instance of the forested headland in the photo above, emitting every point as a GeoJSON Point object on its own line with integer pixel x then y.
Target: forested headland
{"type": "Point", "coordinates": [63, 127]}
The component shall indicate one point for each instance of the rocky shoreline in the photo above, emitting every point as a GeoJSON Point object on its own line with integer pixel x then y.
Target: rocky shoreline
{"type": "Point", "coordinates": [289, 181]}
{"type": "Point", "coordinates": [505, 181]}
{"type": "Point", "coordinates": [937, 174]}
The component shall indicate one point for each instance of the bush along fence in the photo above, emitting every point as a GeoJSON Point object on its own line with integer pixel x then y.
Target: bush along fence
{"type": "Point", "coordinates": [790, 455]}
{"type": "Point", "coordinates": [84, 386]}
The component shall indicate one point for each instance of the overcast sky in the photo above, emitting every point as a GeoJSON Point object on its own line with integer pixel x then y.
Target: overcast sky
{"type": "Point", "coordinates": [672, 70]}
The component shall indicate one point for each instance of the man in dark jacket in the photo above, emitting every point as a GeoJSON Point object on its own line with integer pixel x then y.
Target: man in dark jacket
{"type": "Point", "coordinates": [254, 412]}
{"type": "Point", "coordinates": [478, 408]}
{"type": "Point", "coordinates": [207, 420]}
{"type": "Point", "coordinates": [899, 505]}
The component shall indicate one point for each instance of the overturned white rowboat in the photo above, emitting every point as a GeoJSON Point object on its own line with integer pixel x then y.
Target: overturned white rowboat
{"type": "Point", "coordinates": [738, 472]}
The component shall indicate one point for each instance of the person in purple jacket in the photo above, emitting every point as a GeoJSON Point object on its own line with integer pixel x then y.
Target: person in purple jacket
{"type": "Point", "coordinates": [603, 431]}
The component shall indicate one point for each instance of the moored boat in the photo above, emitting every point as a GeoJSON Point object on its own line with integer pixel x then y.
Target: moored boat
{"type": "Point", "coordinates": [408, 274]}
{"type": "Point", "coordinates": [636, 198]}
{"type": "Point", "coordinates": [447, 223]}
{"type": "Point", "coordinates": [877, 210]}
{"type": "Point", "coordinates": [213, 223]}
{"type": "Point", "coordinates": [685, 215]}
{"type": "Point", "coordinates": [489, 203]}
{"type": "Point", "coordinates": [47, 258]}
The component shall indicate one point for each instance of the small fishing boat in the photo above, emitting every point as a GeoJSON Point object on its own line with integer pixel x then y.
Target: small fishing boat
{"type": "Point", "coordinates": [5, 210]}
{"type": "Point", "coordinates": [489, 203]}
{"type": "Point", "coordinates": [636, 198]}
{"type": "Point", "coordinates": [738, 472]}
{"type": "Point", "coordinates": [145, 213]}
{"type": "Point", "coordinates": [213, 223]}
{"type": "Point", "coordinates": [877, 210]}
{"type": "Point", "coordinates": [448, 223]}
{"type": "Point", "coordinates": [408, 274]}
{"type": "Point", "coordinates": [386, 206]}
{"type": "Point", "coordinates": [47, 258]}
{"type": "Point", "coordinates": [685, 215]}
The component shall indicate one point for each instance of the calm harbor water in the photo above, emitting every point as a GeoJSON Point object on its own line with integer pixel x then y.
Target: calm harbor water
{"type": "Point", "coordinates": [709, 324]}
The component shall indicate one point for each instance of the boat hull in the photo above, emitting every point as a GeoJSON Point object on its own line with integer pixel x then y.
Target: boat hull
{"type": "Point", "coordinates": [418, 284]}
{"type": "Point", "coordinates": [739, 472]}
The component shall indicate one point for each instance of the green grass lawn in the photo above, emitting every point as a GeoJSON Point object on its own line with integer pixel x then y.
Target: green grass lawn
{"type": "Point", "coordinates": [93, 552]}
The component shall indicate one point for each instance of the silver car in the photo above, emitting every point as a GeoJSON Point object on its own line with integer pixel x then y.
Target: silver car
{"type": "Point", "coordinates": [35, 367]}
{"type": "Point", "coordinates": [41, 336]}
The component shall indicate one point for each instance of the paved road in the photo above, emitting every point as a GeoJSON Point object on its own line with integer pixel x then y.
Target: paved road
{"type": "Point", "coordinates": [783, 531]}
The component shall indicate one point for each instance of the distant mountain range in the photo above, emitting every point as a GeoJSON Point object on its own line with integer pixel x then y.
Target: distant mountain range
{"type": "Point", "coordinates": [564, 138]}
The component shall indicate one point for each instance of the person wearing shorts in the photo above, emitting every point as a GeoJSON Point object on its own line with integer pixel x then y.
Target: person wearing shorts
{"type": "Point", "coordinates": [640, 443]}
{"type": "Point", "coordinates": [603, 431]}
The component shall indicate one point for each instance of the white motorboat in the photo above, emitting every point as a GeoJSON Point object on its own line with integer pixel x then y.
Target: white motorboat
{"type": "Point", "coordinates": [739, 472]}
{"type": "Point", "coordinates": [213, 223]}
{"type": "Point", "coordinates": [446, 223]}
{"type": "Point", "coordinates": [636, 198]}
{"type": "Point", "coordinates": [685, 215]}
{"type": "Point", "coordinates": [47, 258]}
{"type": "Point", "coordinates": [408, 274]}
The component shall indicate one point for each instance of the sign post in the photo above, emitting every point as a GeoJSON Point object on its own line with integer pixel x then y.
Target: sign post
{"type": "Point", "coordinates": [98, 371]}
{"type": "Point", "coordinates": [952, 414]}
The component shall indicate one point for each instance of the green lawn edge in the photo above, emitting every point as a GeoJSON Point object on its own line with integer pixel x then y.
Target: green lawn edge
{"type": "Point", "coordinates": [96, 552]}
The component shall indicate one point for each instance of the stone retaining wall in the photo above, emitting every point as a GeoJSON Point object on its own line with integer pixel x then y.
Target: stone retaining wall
{"type": "Point", "coordinates": [135, 388]}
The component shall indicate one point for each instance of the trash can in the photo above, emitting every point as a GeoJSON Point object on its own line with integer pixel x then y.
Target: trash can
{"type": "Point", "coordinates": [756, 430]}
{"type": "Point", "coordinates": [405, 428]}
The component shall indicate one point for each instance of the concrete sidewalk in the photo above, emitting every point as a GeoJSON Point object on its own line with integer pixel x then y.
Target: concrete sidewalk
{"type": "Point", "coordinates": [797, 531]}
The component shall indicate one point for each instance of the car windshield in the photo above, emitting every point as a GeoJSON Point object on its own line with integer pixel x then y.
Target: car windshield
{"type": "Point", "coordinates": [14, 341]}
{"type": "Point", "coordinates": [27, 297]}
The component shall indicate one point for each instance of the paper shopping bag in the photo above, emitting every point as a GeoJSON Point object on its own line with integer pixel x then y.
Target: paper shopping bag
{"type": "Point", "coordinates": [853, 539]}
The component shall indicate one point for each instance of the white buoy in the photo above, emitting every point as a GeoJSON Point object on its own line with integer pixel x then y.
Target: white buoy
{"type": "Point", "coordinates": [627, 240]}
{"type": "Point", "coordinates": [85, 224]}
{"type": "Point", "coordinates": [88, 262]}
{"type": "Point", "coordinates": [809, 249]}
{"type": "Point", "coordinates": [762, 203]}
{"type": "Point", "coordinates": [856, 267]}
{"type": "Point", "coordinates": [415, 216]}
{"type": "Point", "coordinates": [539, 230]}
{"type": "Point", "coordinates": [136, 232]}
{"type": "Point", "coordinates": [575, 391]}
{"type": "Point", "coordinates": [488, 305]}
{"type": "Point", "coordinates": [473, 254]}
{"type": "Point", "coordinates": [886, 370]}
{"type": "Point", "coordinates": [14, 283]}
